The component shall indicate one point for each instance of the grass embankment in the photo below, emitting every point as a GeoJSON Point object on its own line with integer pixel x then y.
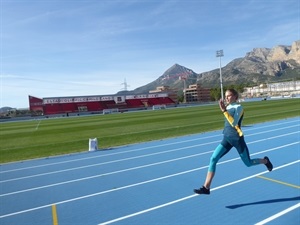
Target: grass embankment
{"type": "Point", "coordinates": [48, 137]}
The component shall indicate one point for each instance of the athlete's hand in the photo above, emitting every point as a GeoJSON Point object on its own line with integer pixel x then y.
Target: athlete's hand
{"type": "Point", "coordinates": [222, 105]}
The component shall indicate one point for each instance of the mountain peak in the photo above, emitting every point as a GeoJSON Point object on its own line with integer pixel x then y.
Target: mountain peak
{"type": "Point", "coordinates": [176, 71]}
{"type": "Point", "coordinates": [258, 66]}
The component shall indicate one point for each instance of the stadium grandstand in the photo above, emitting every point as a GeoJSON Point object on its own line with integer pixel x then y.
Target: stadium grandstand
{"type": "Point", "coordinates": [97, 103]}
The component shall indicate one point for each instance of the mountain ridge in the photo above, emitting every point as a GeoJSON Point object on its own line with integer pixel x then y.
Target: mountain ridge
{"type": "Point", "coordinates": [261, 65]}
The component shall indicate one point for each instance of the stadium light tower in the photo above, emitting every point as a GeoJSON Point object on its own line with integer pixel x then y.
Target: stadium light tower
{"type": "Point", "coordinates": [219, 54]}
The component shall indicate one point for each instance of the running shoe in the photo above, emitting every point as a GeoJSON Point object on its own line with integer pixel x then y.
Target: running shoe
{"type": "Point", "coordinates": [268, 164]}
{"type": "Point", "coordinates": [202, 190]}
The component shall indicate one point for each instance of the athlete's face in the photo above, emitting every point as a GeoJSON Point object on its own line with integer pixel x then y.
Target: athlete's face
{"type": "Point", "coordinates": [229, 97]}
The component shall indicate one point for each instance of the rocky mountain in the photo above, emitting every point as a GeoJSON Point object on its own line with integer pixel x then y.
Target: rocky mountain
{"type": "Point", "coordinates": [261, 65]}
{"type": "Point", "coordinates": [173, 77]}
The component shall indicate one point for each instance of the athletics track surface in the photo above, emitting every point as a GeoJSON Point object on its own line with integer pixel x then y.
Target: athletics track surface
{"type": "Point", "coordinates": [153, 182]}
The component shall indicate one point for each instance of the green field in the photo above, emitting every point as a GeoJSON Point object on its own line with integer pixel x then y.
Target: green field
{"type": "Point", "coordinates": [56, 136]}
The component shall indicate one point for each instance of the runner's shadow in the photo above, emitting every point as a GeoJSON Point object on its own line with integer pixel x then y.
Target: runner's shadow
{"type": "Point", "coordinates": [264, 202]}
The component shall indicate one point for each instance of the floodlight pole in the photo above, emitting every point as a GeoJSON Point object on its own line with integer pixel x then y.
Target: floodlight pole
{"type": "Point", "coordinates": [219, 54]}
{"type": "Point", "coordinates": [184, 90]}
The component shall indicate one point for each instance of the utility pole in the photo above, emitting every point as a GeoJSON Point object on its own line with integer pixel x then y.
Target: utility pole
{"type": "Point", "coordinates": [125, 85]}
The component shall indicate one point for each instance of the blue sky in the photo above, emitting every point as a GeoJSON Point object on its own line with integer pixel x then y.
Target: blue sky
{"type": "Point", "coordinates": [89, 47]}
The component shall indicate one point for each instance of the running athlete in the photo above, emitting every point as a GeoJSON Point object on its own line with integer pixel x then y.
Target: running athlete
{"type": "Point", "coordinates": [232, 137]}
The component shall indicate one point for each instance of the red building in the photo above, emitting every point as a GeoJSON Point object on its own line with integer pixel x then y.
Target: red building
{"type": "Point", "coordinates": [95, 103]}
{"type": "Point", "coordinates": [196, 93]}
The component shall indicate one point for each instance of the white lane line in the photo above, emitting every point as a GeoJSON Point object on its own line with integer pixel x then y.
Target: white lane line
{"type": "Point", "coordinates": [109, 162]}
{"type": "Point", "coordinates": [110, 154]}
{"type": "Point", "coordinates": [187, 197]}
{"type": "Point", "coordinates": [136, 157]}
{"type": "Point", "coordinates": [267, 220]}
{"type": "Point", "coordinates": [145, 182]}
{"type": "Point", "coordinates": [140, 167]}
{"type": "Point", "coordinates": [110, 173]}
{"type": "Point", "coordinates": [150, 147]}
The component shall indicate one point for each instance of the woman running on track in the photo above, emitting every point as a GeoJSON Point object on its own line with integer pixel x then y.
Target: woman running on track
{"type": "Point", "coordinates": [232, 137]}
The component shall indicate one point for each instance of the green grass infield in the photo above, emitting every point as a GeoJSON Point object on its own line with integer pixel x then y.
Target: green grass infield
{"type": "Point", "coordinates": [38, 138]}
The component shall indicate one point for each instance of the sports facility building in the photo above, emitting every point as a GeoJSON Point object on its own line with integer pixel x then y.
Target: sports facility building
{"type": "Point", "coordinates": [196, 93]}
{"type": "Point", "coordinates": [98, 103]}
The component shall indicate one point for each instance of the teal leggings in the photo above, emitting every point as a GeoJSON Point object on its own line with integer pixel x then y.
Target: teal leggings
{"type": "Point", "coordinates": [225, 146]}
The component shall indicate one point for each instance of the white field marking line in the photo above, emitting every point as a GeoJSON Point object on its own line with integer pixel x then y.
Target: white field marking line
{"type": "Point", "coordinates": [267, 220]}
{"type": "Point", "coordinates": [156, 146]}
{"type": "Point", "coordinates": [205, 123]}
{"type": "Point", "coordinates": [194, 195]}
{"type": "Point", "coordinates": [141, 183]}
{"type": "Point", "coordinates": [144, 166]}
{"type": "Point", "coordinates": [136, 157]}
{"type": "Point", "coordinates": [37, 126]}
{"type": "Point", "coordinates": [163, 128]}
